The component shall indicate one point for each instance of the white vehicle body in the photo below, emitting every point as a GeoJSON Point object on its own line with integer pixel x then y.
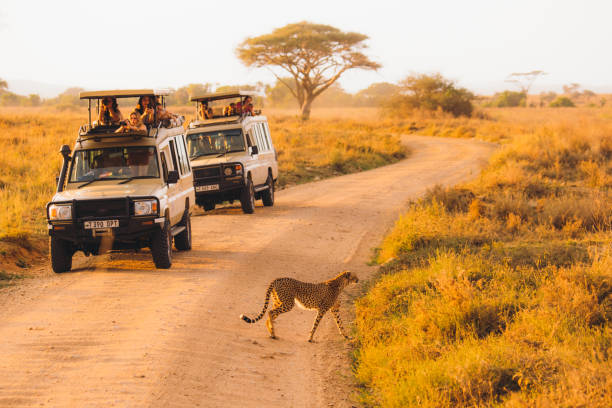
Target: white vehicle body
{"type": "Point", "coordinates": [239, 156]}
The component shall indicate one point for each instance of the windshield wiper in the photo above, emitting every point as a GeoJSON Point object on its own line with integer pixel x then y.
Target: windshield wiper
{"type": "Point", "coordinates": [200, 155]}
{"type": "Point", "coordinates": [222, 154]}
{"type": "Point", "coordinates": [89, 182]}
{"type": "Point", "coordinates": [127, 180]}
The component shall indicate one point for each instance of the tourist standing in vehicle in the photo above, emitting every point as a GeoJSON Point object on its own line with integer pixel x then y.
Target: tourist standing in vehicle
{"type": "Point", "coordinates": [133, 125]}
{"type": "Point", "coordinates": [146, 110]}
{"type": "Point", "coordinates": [247, 106]}
{"type": "Point", "coordinates": [109, 112]}
{"type": "Point", "coordinates": [205, 111]}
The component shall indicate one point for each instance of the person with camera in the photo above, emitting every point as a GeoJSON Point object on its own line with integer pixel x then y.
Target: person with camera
{"type": "Point", "coordinates": [146, 110]}
{"type": "Point", "coordinates": [109, 112]}
{"type": "Point", "coordinates": [133, 125]}
{"type": "Point", "coordinates": [205, 111]}
{"type": "Point", "coordinates": [247, 106]}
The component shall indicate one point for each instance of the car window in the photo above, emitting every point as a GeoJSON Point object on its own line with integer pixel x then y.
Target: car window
{"type": "Point", "coordinates": [182, 159]}
{"type": "Point", "coordinates": [267, 135]}
{"type": "Point", "coordinates": [183, 153]}
{"type": "Point", "coordinates": [257, 132]}
{"type": "Point", "coordinates": [164, 165]}
{"type": "Point", "coordinates": [114, 163]}
{"type": "Point", "coordinates": [173, 155]}
{"type": "Point", "coordinates": [264, 136]}
{"type": "Point", "coordinates": [215, 143]}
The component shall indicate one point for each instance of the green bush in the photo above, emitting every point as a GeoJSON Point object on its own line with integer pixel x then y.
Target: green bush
{"type": "Point", "coordinates": [432, 93]}
{"type": "Point", "coordinates": [509, 99]}
{"type": "Point", "coordinates": [562, 102]}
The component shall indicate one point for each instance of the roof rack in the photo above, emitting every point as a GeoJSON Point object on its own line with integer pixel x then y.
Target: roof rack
{"type": "Point", "coordinates": [124, 93]}
{"type": "Point", "coordinates": [223, 120]}
{"type": "Point", "coordinates": [213, 96]}
{"type": "Point", "coordinates": [110, 134]}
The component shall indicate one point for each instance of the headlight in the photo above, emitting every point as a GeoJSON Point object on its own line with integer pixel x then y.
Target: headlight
{"type": "Point", "coordinates": [145, 207]}
{"type": "Point", "coordinates": [60, 211]}
{"type": "Point", "coordinates": [232, 170]}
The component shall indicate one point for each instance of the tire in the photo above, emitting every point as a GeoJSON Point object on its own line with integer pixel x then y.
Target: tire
{"type": "Point", "coordinates": [208, 205]}
{"type": "Point", "coordinates": [267, 196]}
{"type": "Point", "coordinates": [247, 197]}
{"type": "Point", "coordinates": [182, 241]}
{"type": "Point", "coordinates": [61, 255]}
{"type": "Point", "coordinates": [161, 247]}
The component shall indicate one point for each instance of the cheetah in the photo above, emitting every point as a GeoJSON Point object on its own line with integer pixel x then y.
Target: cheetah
{"type": "Point", "coordinates": [321, 297]}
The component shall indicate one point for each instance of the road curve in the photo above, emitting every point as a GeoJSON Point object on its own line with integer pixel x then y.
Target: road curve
{"type": "Point", "coordinates": [117, 332]}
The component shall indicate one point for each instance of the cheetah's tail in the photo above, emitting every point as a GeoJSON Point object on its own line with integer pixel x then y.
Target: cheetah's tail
{"type": "Point", "coordinates": [248, 319]}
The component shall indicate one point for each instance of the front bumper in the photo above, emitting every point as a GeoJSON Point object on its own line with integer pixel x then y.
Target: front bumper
{"type": "Point", "coordinates": [131, 230]}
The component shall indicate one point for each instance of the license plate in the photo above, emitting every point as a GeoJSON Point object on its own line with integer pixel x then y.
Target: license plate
{"type": "Point", "coordinates": [210, 187]}
{"type": "Point", "coordinates": [101, 224]}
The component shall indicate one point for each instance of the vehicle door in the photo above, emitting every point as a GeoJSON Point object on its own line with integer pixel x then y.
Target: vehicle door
{"type": "Point", "coordinates": [270, 157]}
{"type": "Point", "coordinates": [174, 190]}
{"type": "Point", "coordinates": [186, 177]}
{"type": "Point", "coordinates": [262, 169]}
{"type": "Point", "coordinates": [252, 160]}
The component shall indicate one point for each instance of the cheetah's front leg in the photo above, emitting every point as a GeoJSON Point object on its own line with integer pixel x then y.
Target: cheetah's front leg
{"type": "Point", "coordinates": [320, 314]}
{"type": "Point", "coordinates": [336, 312]}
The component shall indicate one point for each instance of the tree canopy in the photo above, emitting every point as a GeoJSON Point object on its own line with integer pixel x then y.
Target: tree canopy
{"type": "Point", "coordinates": [314, 55]}
{"type": "Point", "coordinates": [431, 92]}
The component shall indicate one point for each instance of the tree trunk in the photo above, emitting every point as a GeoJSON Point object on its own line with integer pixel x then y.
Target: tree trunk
{"type": "Point", "coordinates": [306, 108]}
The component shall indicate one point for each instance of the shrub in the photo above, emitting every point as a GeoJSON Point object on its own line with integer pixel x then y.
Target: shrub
{"type": "Point", "coordinates": [562, 102]}
{"type": "Point", "coordinates": [431, 93]}
{"type": "Point", "coordinates": [509, 99]}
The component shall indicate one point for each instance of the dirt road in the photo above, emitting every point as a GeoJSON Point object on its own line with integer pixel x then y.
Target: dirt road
{"type": "Point", "coordinates": [117, 332]}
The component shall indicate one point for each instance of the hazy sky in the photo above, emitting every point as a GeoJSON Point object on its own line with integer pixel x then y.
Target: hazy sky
{"type": "Point", "coordinates": [125, 44]}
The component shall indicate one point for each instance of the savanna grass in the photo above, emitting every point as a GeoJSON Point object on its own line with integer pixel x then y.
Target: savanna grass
{"type": "Point", "coordinates": [499, 292]}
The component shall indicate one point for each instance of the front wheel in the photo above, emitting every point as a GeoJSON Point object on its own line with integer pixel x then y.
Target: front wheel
{"type": "Point", "coordinates": [267, 196]}
{"type": "Point", "coordinates": [61, 255]}
{"type": "Point", "coordinates": [182, 241]}
{"type": "Point", "coordinates": [161, 246]}
{"type": "Point", "coordinates": [247, 197]}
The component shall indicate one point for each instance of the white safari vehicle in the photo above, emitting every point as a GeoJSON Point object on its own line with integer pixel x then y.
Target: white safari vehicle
{"type": "Point", "coordinates": [231, 153]}
{"type": "Point", "coordinates": [122, 191]}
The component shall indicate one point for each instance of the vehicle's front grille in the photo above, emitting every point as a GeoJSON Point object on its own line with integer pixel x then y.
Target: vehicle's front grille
{"type": "Point", "coordinates": [207, 173]}
{"type": "Point", "coordinates": [102, 208]}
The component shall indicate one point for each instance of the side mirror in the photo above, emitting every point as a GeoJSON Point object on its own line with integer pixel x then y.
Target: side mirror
{"type": "Point", "coordinates": [65, 150]}
{"type": "Point", "coordinates": [254, 150]}
{"type": "Point", "coordinates": [173, 177]}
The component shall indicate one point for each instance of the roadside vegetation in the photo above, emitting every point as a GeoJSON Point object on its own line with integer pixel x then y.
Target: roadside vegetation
{"type": "Point", "coordinates": [498, 292]}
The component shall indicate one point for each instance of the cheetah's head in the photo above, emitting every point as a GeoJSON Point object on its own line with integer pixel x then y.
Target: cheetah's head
{"type": "Point", "coordinates": [350, 277]}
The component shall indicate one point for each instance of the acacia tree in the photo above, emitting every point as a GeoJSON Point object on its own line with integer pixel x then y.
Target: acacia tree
{"type": "Point", "coordinates": [314, 55]}
{"type": "Point", "coordinates": [524, 80]}
{"type": "Point", "coordinates": [3, 85]}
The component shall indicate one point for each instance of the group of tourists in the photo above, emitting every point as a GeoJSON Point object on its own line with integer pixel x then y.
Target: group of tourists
{"type": "Point", "coordinates": [148, 112]}
{"type": "Point", "coordinates": [240, 108]}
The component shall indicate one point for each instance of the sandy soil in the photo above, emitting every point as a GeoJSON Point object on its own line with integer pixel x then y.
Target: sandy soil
{"type": "Point", "coordinates": [117, 332]}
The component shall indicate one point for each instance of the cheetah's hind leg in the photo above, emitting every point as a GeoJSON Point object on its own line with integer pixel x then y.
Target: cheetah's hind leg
{"type": "Point", "coordinates": [279, 307]}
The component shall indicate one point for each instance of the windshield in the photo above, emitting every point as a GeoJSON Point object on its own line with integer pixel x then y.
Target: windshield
{"type": "Point", "coordinates": [218, 142]}
{"type": "Point", "coordinates": [114, 163]}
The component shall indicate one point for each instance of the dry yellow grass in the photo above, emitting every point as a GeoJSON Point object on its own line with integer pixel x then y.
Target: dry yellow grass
{"type": "Point", "coordinates": [501, 289]}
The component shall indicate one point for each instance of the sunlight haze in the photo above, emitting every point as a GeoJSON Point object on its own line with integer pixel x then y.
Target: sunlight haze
{"type": "Point", "coordinates": [119, 44]}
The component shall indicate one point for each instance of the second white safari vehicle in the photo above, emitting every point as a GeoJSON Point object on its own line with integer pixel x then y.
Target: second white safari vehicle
{"type": "Point", "coordinates": [231, 152]}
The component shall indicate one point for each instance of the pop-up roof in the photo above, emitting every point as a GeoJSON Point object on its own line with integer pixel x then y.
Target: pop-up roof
{"type": "Point", "coordinates": [213, 96]}
{"type": "Point", "coordinates": [124, 93]}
